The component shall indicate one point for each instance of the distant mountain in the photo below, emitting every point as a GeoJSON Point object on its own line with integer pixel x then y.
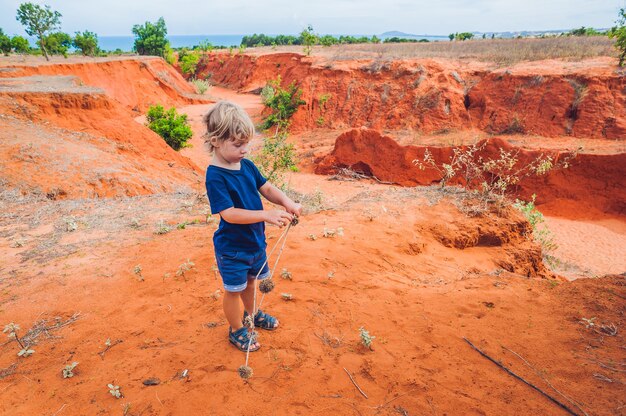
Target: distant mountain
{"type": "Point", "coordinates": [397, 34]}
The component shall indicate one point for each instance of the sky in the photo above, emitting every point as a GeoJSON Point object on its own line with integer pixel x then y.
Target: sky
{"type": "Point", "coordinates": [365, 17]}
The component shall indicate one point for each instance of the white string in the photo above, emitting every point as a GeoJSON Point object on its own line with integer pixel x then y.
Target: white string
{"type": "Point", "coordinates": [254, 308]}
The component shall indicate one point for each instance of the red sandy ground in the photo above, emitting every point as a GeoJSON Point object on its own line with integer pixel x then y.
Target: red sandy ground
{"type": "Point", "coordinates": [410, 267]}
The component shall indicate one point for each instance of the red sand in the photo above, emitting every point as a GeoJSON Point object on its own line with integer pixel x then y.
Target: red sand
{"type": "Point", "coordinates": [410, 268]}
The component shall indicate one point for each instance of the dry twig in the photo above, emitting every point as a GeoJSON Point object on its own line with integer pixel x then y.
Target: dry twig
{"type": "Point", "coordinates": [354, 382]}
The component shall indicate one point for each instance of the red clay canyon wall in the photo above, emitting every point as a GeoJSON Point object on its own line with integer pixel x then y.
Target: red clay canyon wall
{"type": "Point", "coordinates": [435, 95]}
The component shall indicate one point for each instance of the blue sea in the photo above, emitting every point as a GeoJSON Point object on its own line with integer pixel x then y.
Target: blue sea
{"type": "Point", "coordinates": [125, 43]}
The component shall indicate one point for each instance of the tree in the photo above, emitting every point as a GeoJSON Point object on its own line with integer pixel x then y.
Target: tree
{"type": "Point", "coordinates": [5, 43]}
{"type": "Point", "coordinates": [150, 39]}
{"type": "Point", "coordinates": [58, 43]}
{"type": "Point", "coordinates": [86, 42]}
{"type": "Point", "coordinates": [20, 44]}
{"type": "Point", "coordinates": [38, 21]}
{"type": "Point", "coordinates": [619, 34]}
{"type": "Point", "coordinates": [451, 36]}
{"type": "Point", "coordinates": [308, 39]}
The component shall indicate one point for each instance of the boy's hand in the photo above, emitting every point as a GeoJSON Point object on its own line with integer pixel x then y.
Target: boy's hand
{"type": "Point", "coordinates": [278, 217]}
{"type": "Point", "coordinates": [294, 208]}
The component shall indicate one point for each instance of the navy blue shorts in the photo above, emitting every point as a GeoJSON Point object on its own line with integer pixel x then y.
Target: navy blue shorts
{"type": "Point", "coordinates": [236, 267]}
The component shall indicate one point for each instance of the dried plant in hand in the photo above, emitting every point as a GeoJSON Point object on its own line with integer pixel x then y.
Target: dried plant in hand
{"type": "Point", "coordinates": [366, 338]}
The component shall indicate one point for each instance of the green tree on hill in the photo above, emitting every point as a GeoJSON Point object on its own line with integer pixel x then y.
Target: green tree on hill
{"type": "Point", "coordinates": [5, 43]}
{"type": "Point", "coordinates": [308, 39]}
{"type": "Point", "coordinates": [38, 21]}
{"type": "Point", "coordinates": [20, 44]}
{"type": "Point", "coordinates": [150, 39]}
{"type": "Point", "coordinates": [58, 43]}
{"type": "Point", "coordinates": [619, 34]}
{"type": "Point", "coordinates": [86, 43]}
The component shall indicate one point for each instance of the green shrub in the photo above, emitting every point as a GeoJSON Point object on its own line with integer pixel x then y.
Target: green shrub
{"type": "Point", "coordinates": [541, 233]}
{"type": "Point", "coordinates": [168, 55]}
{"type": "Point", "coordinates": [282, 102]}
{"type": "Point", "coordinates": [308, 39]}
{"type": "Point", "coordinates": [276, 158]}
{"type": "Point", "coordinates": [20, 44]}
{"type": "Point", "coordinates": [170, 125]}
{"type": "Point", "coordinates": [86, 43]}
{"type": "Point", "coordinates": [200, 85]}
{"type": "Point", "coordinates": [5, 43]}
{"type": "Point", "coordinates": [619, 34]}
{"type": "Point", "coordinates": [150, 39]}
{"type": "Point", "coordinates": [58, 43]}
{"type": "Point", "coordinates": [189, 63]}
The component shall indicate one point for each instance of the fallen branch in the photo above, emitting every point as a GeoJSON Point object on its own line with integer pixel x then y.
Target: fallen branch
{"type": "Point", "coordinates": [108, 347]}
{"type": "Point", "coordinates": [546, 381]}
{"type": "Point", "coordinates": [564, 407]}
{"type": "Point", "coordinates": [354, 382]}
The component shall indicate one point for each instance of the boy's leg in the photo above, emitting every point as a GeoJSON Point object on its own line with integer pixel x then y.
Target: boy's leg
{"type": "Point", "coordinates": [247, 296]}
{"type": "Point", "coordinates": [232, 310]}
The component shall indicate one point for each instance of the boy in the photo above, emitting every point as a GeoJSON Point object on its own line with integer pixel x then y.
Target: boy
{"type": "Point", "coordinates": [233, 184]}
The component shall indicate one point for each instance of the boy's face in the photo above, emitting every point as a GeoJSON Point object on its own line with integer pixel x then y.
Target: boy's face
{"type": "Point", "coordinates": [231, 151]}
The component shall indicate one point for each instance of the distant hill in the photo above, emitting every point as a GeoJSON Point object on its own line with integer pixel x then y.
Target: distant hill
{"type": "Point", "coordinates": [397, 34]}
{"type": "Point", "coordinates": [522, 33]}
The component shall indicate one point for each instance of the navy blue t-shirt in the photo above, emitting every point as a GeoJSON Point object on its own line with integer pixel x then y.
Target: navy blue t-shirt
{"type": "Point", "coordinates": [228, 188]}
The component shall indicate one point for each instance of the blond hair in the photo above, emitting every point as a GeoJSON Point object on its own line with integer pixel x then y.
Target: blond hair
{"type": "Point", "coordinates": [227, 121]}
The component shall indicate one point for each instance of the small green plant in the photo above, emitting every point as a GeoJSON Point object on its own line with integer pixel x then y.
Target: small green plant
{"type": "Point", "coordinates": [322, 100]}
{"type": "Point", "coordinates": [162, 228]}
{"type": "Point", "coordinates": [68, 370]}
{"type": "Point", "coordinates": [189, 63]}
{"type": "Point", "coordinates": [276, 158]}
{"type": "Point", "coordinates": [137, 271]}
{"type": "Point", "coordinates": [308, 39]}
{"type": "Point", "coordinates": [184, 268]}
{"type": "Point", "coordinates": [540, 231]}
{"type": "Point", "coordinates": [11, 330]}
{"type": "Point", "coordinates": [201, 85]}
{"type": "Point", "coordinates": [171, 126]}
{"type": "Point", "coordinates": [115, 391]}
{"type": "Point", "coordinates": [320, 121]}
{"type": "Point", "coordinates": [366, 338]}
{"type": "Point", "coordinates": [282, 101]}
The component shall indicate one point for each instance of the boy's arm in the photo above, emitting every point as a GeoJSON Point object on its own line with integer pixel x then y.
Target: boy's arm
{"type": "Point", "coordinates": [276, 196]}
{"type": "Point", "coordinates": [248, 216]}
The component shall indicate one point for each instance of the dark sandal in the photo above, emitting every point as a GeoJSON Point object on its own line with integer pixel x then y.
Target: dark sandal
{"type": "Point", "coordinates": [263, 320]}
{"type": "Point", "coordinates": [241, 338]}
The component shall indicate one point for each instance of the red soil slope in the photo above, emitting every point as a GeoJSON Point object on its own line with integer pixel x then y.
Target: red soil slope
{"type": "Point", "coordinates": [592, 180]}
{"type": "Point", "coordinates": [65, 140]}
{"type": "Point", "coordinates": [547, 98]}
{"type": "Point", "coordinates": [136, 83]}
